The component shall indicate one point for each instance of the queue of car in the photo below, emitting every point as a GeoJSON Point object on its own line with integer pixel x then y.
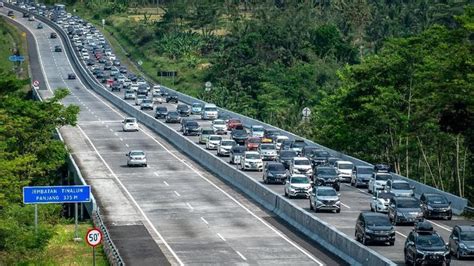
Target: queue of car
{"type": "Point", "coordinates": [304, 170]}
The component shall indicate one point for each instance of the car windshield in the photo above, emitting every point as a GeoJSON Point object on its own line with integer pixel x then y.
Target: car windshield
{"type": "Point", "coordinates": [182, 107]}
{"type": "Point", "coordinates": [408, 204]}
{"type": "Point", "coordinates": [326, 192]}
{"type": "Point", "coordinates": [437, 200]}
{"type": "Point", "coordinates": [130, 120]}
{"type": "Point", "coordinates": [210, 109]}
{"type": "Point", "coordinates": [300, 180]}
{"type": "Point", "coordinates": [377, 221]}
{"type": "Point", "coordinates": [299, 144]}
{"type": "Point", "coordinates": [401, 186]}
{"type": "Point", "coordinates": [146, 101]}
{"type": "Point", "coordinates": [302, 162]}
{"type": "Point", "coordinates": [383, 177]}
{"type": "Point", "coordinates": [234, 121]}
{"type": "Point", "coordinates": [365, 170]}
{"type": "Point", "coordinates": [467, 236]}
{"type": "Point", "coordinates": [276, 167]}
{"type": "Point", "coordinates": [129, 92]}
{"type": "Point", "coordinates": [254, 141]}
{"type": "Point", "coordinates": [174, 114]}
{"type": "Point", "coordinates": [240, 132]}
{"type": "Point", "coordinates": [137, 153]}
{"type": "Point", "coordinates": [384, 195]}
{"type": "Point", "coordinates": [257, 129]}
{"type": "Point", "coordinates": [207, 132]}
{"type": "Point", "coordinates": [161, 109]}
{"type": "Point", "coordinates": [345, 166]}
{"type": "Point", "coordinates": [280, 140]}
{"type": "Point", "coordinates": [192, 124]}
{"type": "Point", "coordinates": [227, 143]}
{"type": "Point", "coordinates": [141, 96]}
{"type": "Point", "coordinates": [267, 147]}
{"type": "Point", "coordinates": [197, 105]}
{"type": "Point", "coordinates": [321, 154]}
{"type": "Point", "coordinates": [288, 154]}
{"type": "Point", "coordinates": [215, 138]}
{"type": "Point", "coordinates": [238, 150]}
{"type": "Point", "coordinates": [252, 156]}
{"type": "Point", "coordinates": [218, 122]}
{"type": "Point", "coordinates": [327, 171]}
{"type": "Point", "coordinates": [429, 241]}
{"type": "Point", "coordinates": [270, 133]}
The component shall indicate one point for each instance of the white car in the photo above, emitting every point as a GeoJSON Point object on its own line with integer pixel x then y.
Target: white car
{"type": "Point", "coordinates": [213, 141]}
{"type": "Point", "coordinates": [400, 188]}
{"type": "Point", "coordinates": [251, 161]}
{"type": "Point", "coordinates": [224, 147]}
{"type": "Point", "coordinates": [139, 99]}
{"type": "Point", "coordinates": [301, 165]}
{"type": "Point", "coordinates": [380, 201]}
{"type": "Point", "coordinates": [209, 112]}
{"type": "Point", "coordinates": [257, 131]}
{"type": "Point", "coordinates": [298, 185]}
{"type": "Point", "coordinates": [378, 181]}
{"type": "Point", "coordinates": [130, 124]}
{"type": "Point", "coordinates": [219, 126]}
{"type": "Point", "coordinates": [344, 170]}
{"type": "Point", "coordinates": [268, 151]}
{"type": "Point", "coordinates": [136, 158]}
{"type": "Point", "coordinates": [279, 140]}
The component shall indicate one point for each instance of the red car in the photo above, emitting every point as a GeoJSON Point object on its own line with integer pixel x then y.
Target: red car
{"type": "Point", "coordinates": [233, 123]}
{"type": "Point", "coordinates": [251, 144]}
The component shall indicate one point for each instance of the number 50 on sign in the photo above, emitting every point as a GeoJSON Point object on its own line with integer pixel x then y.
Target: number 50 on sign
{"type": "Point", "coordinates": [94, 237]}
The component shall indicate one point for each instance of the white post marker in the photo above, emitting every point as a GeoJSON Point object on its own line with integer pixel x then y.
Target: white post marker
{"type": "Point", "coordinates": [93, 238]}
{"type": "Point", "coordinates": [306, 112]}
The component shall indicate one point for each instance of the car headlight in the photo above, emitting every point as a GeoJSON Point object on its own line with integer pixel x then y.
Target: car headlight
{"type": "Point", "coordinates": [367, 230]}
{"type": "Point", "coordinates": [430, 208]}
{"type": "Point", "coordinates": [270, 175]}
{"type": "Point", "coordinates": [292, 187]}
{"type": "Point", "coordinates": [400, 214]}
{"type": "Point", "coordinates": [462, 246]}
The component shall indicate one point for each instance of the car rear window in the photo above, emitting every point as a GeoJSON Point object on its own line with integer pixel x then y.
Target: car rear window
{"type": "Point", "coordinates": [276, 167]}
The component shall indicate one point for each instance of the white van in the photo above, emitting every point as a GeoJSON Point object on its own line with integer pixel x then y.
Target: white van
{"type": "Point", "coordinates": [344, 170]}
{"type": "Point", "coordinates": [209, 112]}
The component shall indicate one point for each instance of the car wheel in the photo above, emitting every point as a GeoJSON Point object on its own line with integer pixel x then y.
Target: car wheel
{"type": "Point", "coordinates": [392, 243]}
{"type": "Point", "coordinates": [450, 217]}
{"type": "Point", "coordinates": [265, 180]}
{"type": "Point", "coordinates": [368, 190]}
{"type": "Point", "coordinates": [364, 240]}
{"type": "Point", "coordinates": [407, 261]}
{"type": "Point", "coordinates": [286, 193]}
{"type": "Point", "coordinates": [394, 220]}
{"type": "Point", "coordinates": [458, 255]}
{"type": "Point", "coordinates": [371, 208]}
{"type": "Point", "coordinates": [338, 211]}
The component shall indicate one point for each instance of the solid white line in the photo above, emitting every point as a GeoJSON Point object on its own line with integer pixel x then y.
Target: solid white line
{"type": "Point", "coordinates": [155, 173]}
{"type": "Point", "coordinates": [127, 145]}
{"type": "Point", "coordinates": [441, 226]}
{"type": "Point", "coordinates": [204, 220]}
{"type": "Point", "coordinates": [345, 205]}
{"type": "Point", "coordinates": [242, 256]}
{"type": "Point", "coordinates": [189, 205]}
{"type": "Point", "coordinates": [401, 234]}
{"type": "Point", "coordinates": [121, 139]}
{"type": "Point", "coordinates": [166, 183]}
{"type": "Point", "coordinates": [177, 194]}
{"type": "Point", "coordinates": [111, 130]}
{"type": "Point", "coordinates": [130, 196]}
{"type": "Point", "coordinates": [221, 237]}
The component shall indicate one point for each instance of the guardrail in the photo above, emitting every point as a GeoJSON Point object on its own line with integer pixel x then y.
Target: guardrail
{"type": "Point", "coordinates": [111, 251]}
{"type": "Point", "coordinates": [328, 236]}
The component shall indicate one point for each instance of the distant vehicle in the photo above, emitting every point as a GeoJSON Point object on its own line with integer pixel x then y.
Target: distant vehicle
{"type": "Point", "coordinates": [236, 154]}
{"type": "Point", "coordinates": [274, 173]}
{"type": "Point", "coordinates": [404, 210]}
{"type": "Point", "coordinates": [172, 98]}
{"type": "Point", "coordinates": [270, 134]}
{"type": "Point", "coordinates": [71, 76]}
{"type": "Point", "coordinates": [301, 165]}
{"type": "Point", "coordinates": [381, 167]}
{"type": "Point", "coordinates": [129, 95]}
{"type": "Point", "coordinates": [11, 14]}
{"type": "Point", "coordinates": [251, 160]}
{"type": "Point", "coordinates": [374, 228]}
{"type": "Point", "coordinates": [327, 176]}
{"type": "Point", "coordinates": [31, 18]}
{"type": "Point", "coordinates": [146, 104]}
{"type": "Point", "coordinates": [58, 48]}
{"type": "Point", "coordinates": [361, 175]}
{"type": "Point", "coordinates": [285, 146]}
{"type": "Point", "coordinates": [424, 246]}
{"type": "Point", "coordinates": [213, 141]}
{"type": "Point", "coordinates": [286, 157]}
{"type": "Point", "coordinates": [196, 108]}
{"type": "Point", "coordinates": [205, 133]}
{"type": "Point", "coordinates": [436, 206]}
{"type": "Point", "coordinates": [116, 87]}
{"type": "Point", "coordinates": [233, 123]}
{"type": "Point", "coordinates": [380, 201]}
{"type": "Point", "coordinates": [297, 145]}
{"type": "Point", "coordinates": [130, 124]}
{"type": "Point", "coordinates": [344, 169]}
{"type": "Point", "coordinates": [224, 147]}
{"type": "Point", "coordinates": [136, 158]}
{"type": "Point", "coordinates": [257, 131]}
{"type": "Point", "coordinates": [279, 140]}
{"type": "Point", "coordinates": [308, 151]}
{"type": "Point", "coordinates": [209, 112]}
{"type": "Point", "coordinates": [219, 126]}
{"type": "Point", "coordinates": [400, 188]}
{"type": "Point", "coordinates": [161, 112]}
{"type": "Point", "coordinates": [268, 151]}
{"type": "Point", "coordinates": [39, 26]}
{"type": "Point", "coordinates": [191, 128]}
{"type": "Point", "coordinates": [25, 14]}
{"type": "Point", "coordinates": [139, 99]}
{"type": "Point", "coordinates": [183, 110]}
{"type": "Point", "coordinates": [324, 198]}
{"type": "Point", "coordinates": [378, 181]}
{"type": "Point", "coordinates": [252, 143]}
{"type": "Point", "coordinates": [172, 117]}
{"type": "Point", "coordinates": [239, 135]}
{"type": "Point", "coordinates": [1, 4]}
{"type": "Point", "coordinates": [461, 241]}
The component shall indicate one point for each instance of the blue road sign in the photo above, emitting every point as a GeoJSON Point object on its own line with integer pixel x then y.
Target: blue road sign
{"type": "Point", "coordinates": [56, 194]}
{"type": "Point", "coordinates": [16, 58]}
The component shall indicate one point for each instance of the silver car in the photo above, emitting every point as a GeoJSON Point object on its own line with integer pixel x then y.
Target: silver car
{"type": "Point", "coordinates": [146, 104]}
{"type": "Point", "coordinates": [205, 133]}
{"type": "Point", "coordinates": [129, 95]}
{"type": "Point", "coordinates": [139, 99]}
{"type": "Point", "coordinates": [136, 158]}
{"type": "Point", "coordinates": [224, 147]}
{"type": "Point", "coordinates": [324, 198]}
{"type": "Point", "coordinates": [400, 188]}
{"type": "Point", "coordinates": [268, 151]}
{"type": "Point", "coordinates": [297, 185]}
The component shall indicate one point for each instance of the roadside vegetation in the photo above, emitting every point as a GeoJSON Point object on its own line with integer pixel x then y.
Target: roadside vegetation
{"type": "Point", "coordinates": [387, 81]}
{"type": "Point", "coordinates": [11, 40]}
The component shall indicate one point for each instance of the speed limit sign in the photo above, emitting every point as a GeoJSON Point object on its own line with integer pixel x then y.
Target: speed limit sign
{"type": "Point", "coordinates": [94, 237]}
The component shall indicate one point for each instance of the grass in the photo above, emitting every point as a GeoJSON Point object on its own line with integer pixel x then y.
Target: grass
{"type": "Point", "coordinates": [11, 37]}
{"type": "Point", "coordinates": [62, 250]}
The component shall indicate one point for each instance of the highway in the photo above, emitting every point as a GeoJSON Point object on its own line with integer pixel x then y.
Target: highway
{"type": "Point", "coordinates": [190, 214]}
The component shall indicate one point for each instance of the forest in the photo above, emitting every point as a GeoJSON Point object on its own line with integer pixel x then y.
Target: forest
{"type": "Point", "coordinates": [387, 81]}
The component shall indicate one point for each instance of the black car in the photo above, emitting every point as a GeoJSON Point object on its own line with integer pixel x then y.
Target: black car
{"type": "Point", "coordinates": [374, 227]}
{"type": "Point", "coordinates": [183, 110]}
{"type": "Point", "coordinates": [10, 14]}
{"type": "Point", "coordinates": [332, 161]}
{"type": "Point", "coordinates": [327, 176]}
{"type": "Point", "coordinates": [435, 206]}
{"type": "Point", "coordinates": [461, 241]}
{"type": "Point", "coordinates": [239, 135]}
{"type": "Point", "coordinates": [308, 151]}
{"type": "Point", "coordinates": [58, 48]}
{"type": "Point", "coordinates": [270, 133]}
{"type": "Point", "coordinates": [53, 35]}
{"type": "Point", "coordinates": [172, 117]}
{"type": "Point", "coordinates": [90, 62]}
{"type": "Point", "coordinates": [172, 98]}
{"type": "Point", "coordinates": [319, 157]}
{"type": "Point", "coordinates": [236, 154]}
{"type": "Point", "coordinates": [191, 128]}
{"type": "Point", "coordinates": [404, 210]}
{"type": "Point", "coordinates": [26, 15]}
{"type": "Point", "coordinates": [382, 167]}
{"type": "Point", "coordinates": [116, 86]}
{"type": "Point", "coordinates": [424, 246]}
{"type": "Point", "coordinates": [285, 145]}
{"type": "Point", "coordinates": [161, 112]}
{"type": "Point", "coordinates": [285, 157]}
{"type": "Point", "coordinates": [107, 66]}
{"type": "Point", "coordinates": [274, 173]}
{"type": "Point", "coordinates": [298, 145]}
{"type": "Point", "coordinates": [71, 76]}
{"type": "Point", "coordinates": [142, 90]}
